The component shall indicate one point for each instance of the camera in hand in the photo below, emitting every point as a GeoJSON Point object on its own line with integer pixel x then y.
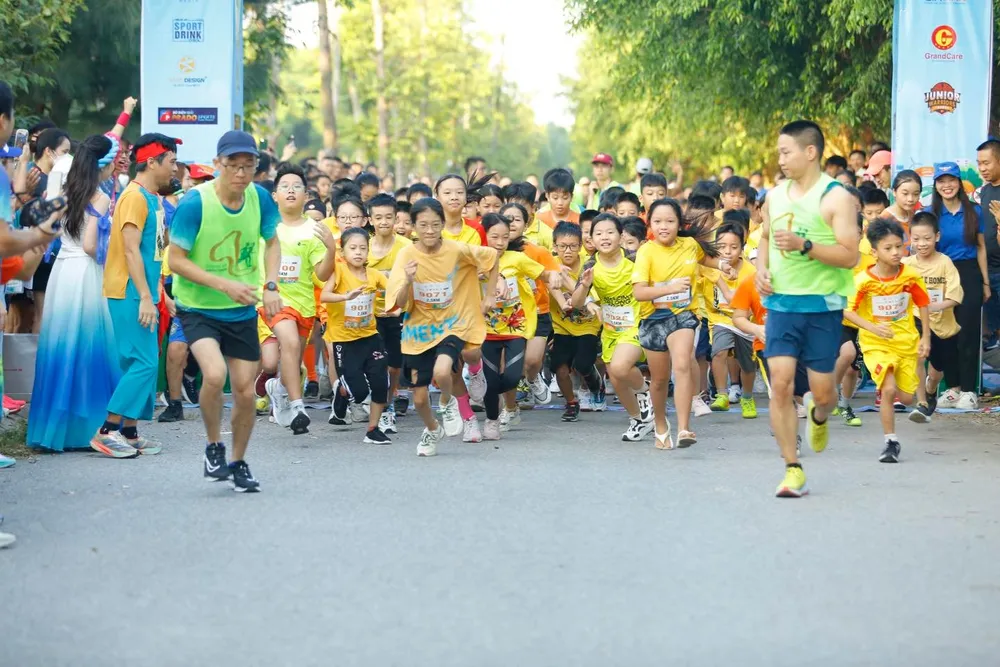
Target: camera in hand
{"type": "Point", "coordinates": [38, 210]}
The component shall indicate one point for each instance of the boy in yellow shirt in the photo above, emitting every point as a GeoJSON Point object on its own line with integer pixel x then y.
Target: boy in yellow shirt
{"type": "Point", "coordinates": [881, 310]}
{"type": "Point", "coordinates": [945, 289]}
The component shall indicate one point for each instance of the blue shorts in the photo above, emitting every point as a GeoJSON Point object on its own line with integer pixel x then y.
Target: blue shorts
{"type": "Point", "coordinates": [703, 346]}
{"type": "Point", "coordinates": [812, 338]}
{"type": "Point", "coordinates": [176, 332]}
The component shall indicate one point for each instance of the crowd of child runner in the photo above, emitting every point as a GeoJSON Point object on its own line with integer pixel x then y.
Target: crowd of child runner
{"type": "Point", "coordinates": [466, 287]}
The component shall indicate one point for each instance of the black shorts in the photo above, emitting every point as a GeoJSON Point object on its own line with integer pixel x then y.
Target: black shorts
{"type": "Point", "coordinates": [544, 328]}
{"type": "Point", "coordinates": [944, 351]}
{"type": "Point", "coordinates": [237, 340]}
{"type": "Point", "coordinates": [850, 335]}
{"type": "Point", "coordinates": [418, 369]}
{"type": "Point", "coordinates": [391, 331]}
{"type": "Point", "coordinates": [40, 280]}
{"type": "Point", "coordinates": [575, 352]}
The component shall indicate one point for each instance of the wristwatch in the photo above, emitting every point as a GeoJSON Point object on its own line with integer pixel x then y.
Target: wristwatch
{"type": "Point", "coordinates": [806, 247]}
{"type": "Point", "coordinates": [271, 286]}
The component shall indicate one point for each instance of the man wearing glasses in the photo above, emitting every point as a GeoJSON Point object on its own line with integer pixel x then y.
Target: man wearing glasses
{"type": "Point", "coordinates": [215, 257]}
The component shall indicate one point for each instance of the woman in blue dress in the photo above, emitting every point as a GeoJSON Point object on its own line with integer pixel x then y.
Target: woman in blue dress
{"type": "Point", "coordinates": [76, 369]}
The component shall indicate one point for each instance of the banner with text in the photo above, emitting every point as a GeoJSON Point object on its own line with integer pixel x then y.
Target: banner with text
{"type": "Point", "coordinates": [942, 65]}
{"type": "Point", "coordinates": [191, 63]}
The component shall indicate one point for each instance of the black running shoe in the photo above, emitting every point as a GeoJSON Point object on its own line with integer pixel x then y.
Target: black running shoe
{"type": "Point", "coordinates": [300, 423]}
{"type": "Point", "coordinates": [402, 404]}
{"type": "Point", "coordinates": [215, 466]}
{"type": "Point", "coordinates": [312, 390]}
{"type": "Point", "coordinates": [173, 413]}
{"type": "Point", "coordinates": [572, 412]}
{"type": "Point", "coordinates": [921, 414]}
{"type": "Point", "coordinates": [891, 452]}
{"type": "Point", "coordinates": [189, 390]}
{"type": "Point", "coordinates": [376, 437]}
{"type": "Point", "coordinates": [931, 402]}
{"type": "Point", "coordinates": [243, 480]}
{"type": "Point", "coordinates": [338, 415]}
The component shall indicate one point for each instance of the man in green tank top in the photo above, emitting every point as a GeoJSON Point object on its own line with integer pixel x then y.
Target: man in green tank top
{"type": "Point", "coordinates": [214, 255]}
{"type": "Point", "coordinates": [809, 246]}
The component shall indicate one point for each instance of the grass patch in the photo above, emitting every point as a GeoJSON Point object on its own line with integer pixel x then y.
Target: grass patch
{"type": "Point", "coordinates": [13, 434]}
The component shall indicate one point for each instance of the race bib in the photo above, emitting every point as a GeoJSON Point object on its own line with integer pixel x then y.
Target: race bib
{"type": "Point", "coordinates": [720, 300]}
{"type": "Point", "coordinates": [15, 287]}
{"type": "Point", "coordinates": [289, 270]}
{"type": "Point", "coordinates": [513, 295]}
{"type": "Point", "coordinates": [358, 311]}
{"type": "Point", "coordinates": [161, 235]}
{"type": "Point", "coordinates": [433, 295]}
{"type": "Point", "coordinates": [675, 301]}
{"type": "Point", "coordinates": [890, 307]}
{"type": "Point", "coordinates": [618, 318]}
{"type": "Point", "coordinates": [937, 295]}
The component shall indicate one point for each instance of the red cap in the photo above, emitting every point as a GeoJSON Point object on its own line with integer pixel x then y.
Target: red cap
{"type": "Point", "coordinates": [878, 161]}
{"type": "Point", "coordinates": [602, 158]}
{"type": "Point", "coordinates": [199, 172]}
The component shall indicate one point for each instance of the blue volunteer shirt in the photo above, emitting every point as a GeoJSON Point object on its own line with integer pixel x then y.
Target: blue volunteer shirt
{"type": "Point", "coordinates": [952, 227]}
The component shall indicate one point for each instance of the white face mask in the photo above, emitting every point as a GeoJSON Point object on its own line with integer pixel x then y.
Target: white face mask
{"type": "Point", "coordinates": [123, 180]}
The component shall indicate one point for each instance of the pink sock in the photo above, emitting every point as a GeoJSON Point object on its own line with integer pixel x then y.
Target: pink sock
{"type": "Point", "coordinates": [465, 408]}
{"type": "Point", "coordinates": [475, 369]}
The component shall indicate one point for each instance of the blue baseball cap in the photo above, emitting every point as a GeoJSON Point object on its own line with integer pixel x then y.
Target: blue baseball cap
{"type": "Point", "coordinates": [947, 169]}
{"type": "Point", "coordinates": [9, 152]}
{"type": "Point", "coordinates": [235, 142]}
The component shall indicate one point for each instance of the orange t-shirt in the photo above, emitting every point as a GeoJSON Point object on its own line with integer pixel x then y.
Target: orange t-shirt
{"type": "Point", "coordinates": [10, 267]}
{"type": "Point", "coordinates": [545, 258]}
{"type": "Point", "coordinates": [549, 218]}
{"type": "Point", "coordinates": [747, 297]}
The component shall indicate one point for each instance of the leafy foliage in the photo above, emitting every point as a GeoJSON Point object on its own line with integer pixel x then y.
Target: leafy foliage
{"type": "Point", "coordinates": [32, 32]}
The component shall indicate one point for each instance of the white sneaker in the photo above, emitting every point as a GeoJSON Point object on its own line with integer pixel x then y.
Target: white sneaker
{"type": "Point", "coordinates": [281, 408]}
{"type": "Point", "coordinates": [948, 399]}
{"type": "Point", "coordinates": [6, 461]}
{"type": "Point", "coordinates": [515, 416]}
{"type": "Point", "coordinates": [540, 391]}
{"type": "Point", "coordinates": [585, 399]}
{"type": "Point", "coordinates": [554, 386]}
{"type": "Point", "coordinates": [491, 429]}
{"type": "Point", "coordinates": [359, 414]}
{"type": "Point", "coordinates": [800, 411]}
{"type": "Point", "coordinates": [637, 430]}
{"type": "Point", "coordinates": [477, 385]}
{"type": "Point", "coordinates": [452, 418]}
{"type": "Point", "coordinates": [387, 422]}
{"type": "Point", "coordinates": [735, 393]}
{"type": "Point", "coordinates": [471, 432]}
{"type": "Point", "coordinates": [699, 408]}
{"type": "Point", "coordinates": [6, 539]}
{"type": "Point", "coordinates": [645, 406]}
{"type": "Point", "coordinates": [967, 401]}
{"type": "Point", "coordinates": [429, 440]}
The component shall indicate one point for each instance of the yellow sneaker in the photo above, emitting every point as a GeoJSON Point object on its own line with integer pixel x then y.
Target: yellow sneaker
{"type": "Point", "coordinates": [818, 435]}
{"type": "Point", "coordinates": [748, 407]}
{"type": "Point", "coordinates": [263, 405]}
{"type": "Point", "coordinates": [794, 484]}
{"type": "Point", "coordinates": [721, 403]}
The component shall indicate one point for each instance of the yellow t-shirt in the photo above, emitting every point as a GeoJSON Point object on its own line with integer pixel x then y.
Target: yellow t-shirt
{"type": "Point", "coordinates": [444, 299]}
{"type": "Point", "coordinates": [887, 301]}
{"type": "Point", "coordinates": [867, 260]}
{"type": "Point", "coordinates": [657, 264]}
{"type": "Point", "coordinates": [942, 282]}
{"type": "Point", "coordinates": [612, 289]}
{"type": "Point", "coordinates": [717, 308]}
{"type": "Point", "coordinates": [301, 253]}
{"type": "Point", "coordinates": [132, 210]}
{"type": "Point", "coordinates": [753, 243]}
{"type": "Point", "coordinates": [466, 235]}
{"type": "Point", "coordinates": [578, 322]}
{"type": "Point", "coordinates": [384, 266]}
{"type": "Point", "coordinates": [539, 233]}
{"type": "Point", "coordinates": [354, 319]}
{"type": "Point", "coordinates": [517, 314]}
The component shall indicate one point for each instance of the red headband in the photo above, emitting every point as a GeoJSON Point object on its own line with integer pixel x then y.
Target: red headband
{"type": "Point", "coordinates": [153, 150]}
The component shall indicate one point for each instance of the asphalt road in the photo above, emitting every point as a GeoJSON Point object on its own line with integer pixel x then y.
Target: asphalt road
{"type": "Point", "coordinates": [561, 545]}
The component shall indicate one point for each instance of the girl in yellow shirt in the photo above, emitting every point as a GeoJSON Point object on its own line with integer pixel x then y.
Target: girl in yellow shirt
{"type": "Point", "coordinates": [665, 271]}
{"type": "Point", "coordinates": [358, 353]}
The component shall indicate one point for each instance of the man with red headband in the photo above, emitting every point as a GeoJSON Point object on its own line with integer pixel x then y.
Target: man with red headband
{"type": "Point", "coordinates": [131, 286]}
{"type": "Point", "coordinates": [215, 256]}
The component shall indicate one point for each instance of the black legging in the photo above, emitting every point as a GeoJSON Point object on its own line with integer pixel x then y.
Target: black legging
{"type": "Point", "coordinates": [965, 370]}
{"type": "Point", "coordinates": [508, 354]}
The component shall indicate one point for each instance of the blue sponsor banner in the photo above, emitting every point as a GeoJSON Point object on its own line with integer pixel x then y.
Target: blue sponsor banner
{"type": "Point", "coordinates": [942, 67]}
{"type": "Point", "coordinates": [191, 61]}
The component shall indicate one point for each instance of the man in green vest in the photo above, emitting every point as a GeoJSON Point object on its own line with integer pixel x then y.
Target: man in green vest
{"type": "Point", "coordinates": [809, 246]}
{"type": "Point", "coordinates": [214, 253]}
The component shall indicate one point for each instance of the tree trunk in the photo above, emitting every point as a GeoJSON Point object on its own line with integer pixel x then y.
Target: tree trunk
{"type": "Point", "coordinates": [337, 68]}
{"type": "Point", "coordinates": [378, 28]}
{"type": "Point", "coordinates": [330, 138]}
